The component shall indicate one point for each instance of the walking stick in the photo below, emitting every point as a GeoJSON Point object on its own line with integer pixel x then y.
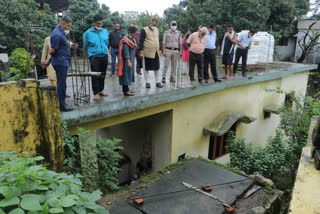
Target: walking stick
{"type": "Point", "coordinates": [268, 49]}
{"type": "Point", "coordinates": [179, 81]}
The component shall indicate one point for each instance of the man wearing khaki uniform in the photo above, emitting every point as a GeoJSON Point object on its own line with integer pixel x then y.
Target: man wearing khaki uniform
{"type": "Point", "coordinates": [172, 46]}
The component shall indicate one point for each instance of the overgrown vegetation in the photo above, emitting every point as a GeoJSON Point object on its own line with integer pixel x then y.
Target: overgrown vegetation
{"type": "Point", "coordinates": [279, 159]}
{"type": "Point", "coordinates": [27, 187]}
{"type": "Point", "coordinates": [20, 62]}
{"type": "Point", "coordinates": [96, 159]}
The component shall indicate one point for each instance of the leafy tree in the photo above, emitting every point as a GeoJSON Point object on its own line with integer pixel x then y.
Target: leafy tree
{"type": "Point", "coordinates": [309, 42]}
{"type": "Point", "coordinates": [301, 7]}
{"type": "Point", "coordinates": [82, 13]}
{"type": "Point", "coordinates": [243, 14]}
{"type": "Point", "coordinates": [282, 14]}
{"type": "Point", "coordinates": [15, 19]}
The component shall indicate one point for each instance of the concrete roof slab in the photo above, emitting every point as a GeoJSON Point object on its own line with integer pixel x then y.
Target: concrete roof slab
{"type": "Point", "coordinates": [195, 172]}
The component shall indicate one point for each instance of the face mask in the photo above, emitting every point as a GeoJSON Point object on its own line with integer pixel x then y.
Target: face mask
{"type": "Point", "coordinates": [153, 27]}
{"type": "Point", "coordinates": [200, 36]}
{"type": "Point", "coordinates": [98, 28]}
{"type": "Point", "coordinates": [173, 27]}
{"type": "Point", "coordinates": [66, 32]}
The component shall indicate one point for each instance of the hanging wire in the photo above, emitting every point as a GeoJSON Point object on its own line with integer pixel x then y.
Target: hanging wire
{"type": "Point", "coordinates": [186, 190]}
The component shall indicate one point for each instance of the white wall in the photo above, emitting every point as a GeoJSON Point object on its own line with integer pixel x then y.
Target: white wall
{"type": "Point", "coordinates": [283, 52]}
{"type": "Point", "coordinates": [133, 135]}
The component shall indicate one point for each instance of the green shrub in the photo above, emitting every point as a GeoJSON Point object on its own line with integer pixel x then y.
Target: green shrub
{"type": "Point", "coordinates": [280, 157]}
{"type": "Point", "coordinates": [26, 187]}
{"type": "Point", "coordinates": [18, 63]}
{"type": "Point", "coordinates": [268, 161]}
{"type": "Point", "coordinates": [96, 159]}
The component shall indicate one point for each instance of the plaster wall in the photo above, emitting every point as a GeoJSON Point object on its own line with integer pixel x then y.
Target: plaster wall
{"type": "Point", "coordinates": [191, 115]}
{"type": "Point", "coordinates": [135, 135]}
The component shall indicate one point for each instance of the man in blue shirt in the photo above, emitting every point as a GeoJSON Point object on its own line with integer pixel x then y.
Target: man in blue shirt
{"type": "Point", "coordinates": [244, 44]}
{"type": "Point", "coordinates": [210, 55]}
{"type": "Point", "coordinates": [60, 60]}
{"type": "Point", "coordinates": [95, 42]}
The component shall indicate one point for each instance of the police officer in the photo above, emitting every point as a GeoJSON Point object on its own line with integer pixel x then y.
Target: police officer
{"type": "Point", "coordinates": [172, 47]}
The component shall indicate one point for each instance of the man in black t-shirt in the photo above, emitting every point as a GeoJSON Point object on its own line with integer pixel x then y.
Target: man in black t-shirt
{"type": "Point", "coordinates": [114, 41]}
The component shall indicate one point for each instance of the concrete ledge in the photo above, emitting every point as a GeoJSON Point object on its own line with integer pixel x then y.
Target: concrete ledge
{"type": "Point", "coordinates": [306, 192]}
{"type": "Point", "coordinates": [224, 122]}
{"type": "Point", "coordinates": [94, 112]}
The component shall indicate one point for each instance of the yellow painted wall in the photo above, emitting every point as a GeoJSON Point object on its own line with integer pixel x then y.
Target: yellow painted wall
{"type": "Point", "coordinates": [30, 121]}
{"type": "Point", "coordinates": [306, 193]}
{"type": "Point", "coordinates": [191, 115]}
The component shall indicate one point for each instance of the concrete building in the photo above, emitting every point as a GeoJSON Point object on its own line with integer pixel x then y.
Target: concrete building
{"type": "Point", "coordinates": [288, 48]}
{"type": "Point", "coordinates": [166, 123]}
{"type": "Point", "coordinates": [192, 120]}
{"type": "Point", "coordinates": [303, 25]}
{"type": "Point", "coordinates": [130, 15]}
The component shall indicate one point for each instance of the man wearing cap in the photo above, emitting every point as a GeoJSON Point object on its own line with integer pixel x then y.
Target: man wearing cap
{"type": "Point", "coordinates": [197, 42]}
{"type": "Point", "coordinates": [244, 44]}
{"type": "Point", "coordinates": [210, 55]}
{"type": "Point", "coordinates": [172, 47]}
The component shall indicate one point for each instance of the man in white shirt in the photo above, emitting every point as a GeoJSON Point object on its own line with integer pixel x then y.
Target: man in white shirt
{"type": "Point", "coordinates": [244, 44]}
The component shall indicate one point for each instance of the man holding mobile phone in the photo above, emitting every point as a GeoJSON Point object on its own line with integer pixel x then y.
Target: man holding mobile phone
{"type": "Point", "coordinates": [244, 44]}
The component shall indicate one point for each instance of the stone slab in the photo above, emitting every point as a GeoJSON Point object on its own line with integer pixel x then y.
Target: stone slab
{"type": "Point", "coordinates": [195, 172]}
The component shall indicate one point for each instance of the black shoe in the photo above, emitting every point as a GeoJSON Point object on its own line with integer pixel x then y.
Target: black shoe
{"type": "Point", "coordinates": [172, 80]}
{"type": "Point", "coordinates": [148, 85]}
{"type": "Point", "coordinates": [163, 80]}
{"type": "Point", "coordinates": [128, 94]}
{"type": "Point", "coordinates": [159, 85]}
{"type": "Point", "coordinates": [200, 82]}
{"type": "Point", "coordinates": [206, 81]}
{"type": "Point", "coordinates": [217, 80]}
{"type": "Point", "coordinates": [66, 108]}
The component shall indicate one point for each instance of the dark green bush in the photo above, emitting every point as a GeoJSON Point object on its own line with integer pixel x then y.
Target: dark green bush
{"type": "Point", "coordinates": [96, 159]}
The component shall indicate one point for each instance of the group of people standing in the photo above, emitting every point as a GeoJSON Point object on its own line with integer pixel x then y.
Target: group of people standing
{"type": "Point", "coordinates": [198, 48]}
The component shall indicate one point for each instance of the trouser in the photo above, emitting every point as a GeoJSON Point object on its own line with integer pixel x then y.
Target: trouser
{"type": "Point", "coordinates": [185, 67]}
{"type": "Point", "coordinates": [61, 72]}
{"type": "Point", "coordinates": [244, 55]}
{"type": "Point", "coordinates": [196, 59]}
{"type": "Point", "coordinates": [53, 82]}
{"type": "Point", "coordinates": [114, 55]}
{"type": "Point", "coordinates": [139, 62]}
{"type": "Point", "coordinates": [125, 88]}
{"type": "Point", "coordinates": [210, 58]}
{"type": "Point", "coordinates": [172, 56]}
{"type": "Point", "coordinates": [156, 74]}
{"type": "Point", "coordinates": [98, 64]}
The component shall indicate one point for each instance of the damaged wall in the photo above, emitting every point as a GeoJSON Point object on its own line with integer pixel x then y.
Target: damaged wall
{"type": "Point", "coordinates": [30, 121]}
